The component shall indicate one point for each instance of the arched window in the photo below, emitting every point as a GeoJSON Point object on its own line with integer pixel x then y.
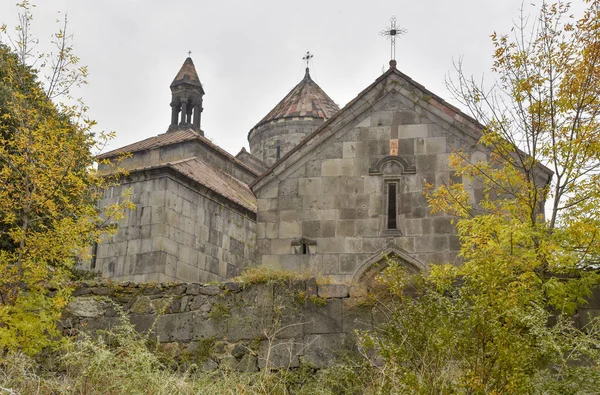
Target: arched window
{"type": "Point", "coordinates": [304, 246]}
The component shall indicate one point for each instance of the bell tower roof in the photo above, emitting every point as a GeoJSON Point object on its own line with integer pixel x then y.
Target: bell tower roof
{"type": "Point", "coordinates": [187, 75]}
{"type": "Point", "coordinates": [186, 98]}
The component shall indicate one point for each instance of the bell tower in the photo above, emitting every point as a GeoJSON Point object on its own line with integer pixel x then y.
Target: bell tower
{"type": "Point", "coordinates": [186, 98]}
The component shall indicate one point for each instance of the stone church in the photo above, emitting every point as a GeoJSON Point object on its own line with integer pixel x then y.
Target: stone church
{"type": "Point", "coordinates": [322, 191]}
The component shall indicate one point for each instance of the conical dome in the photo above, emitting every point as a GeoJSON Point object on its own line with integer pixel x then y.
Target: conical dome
{"type": "Point", "coordinates": [297, 115]}
{"type": "Point", "coordinates": [306, 99]}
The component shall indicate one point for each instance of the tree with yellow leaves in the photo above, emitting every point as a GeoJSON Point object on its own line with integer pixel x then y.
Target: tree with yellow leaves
{"type": "Point", "coordinates": [48, 193]}
{"type": "Point", "coordinates": [503, 321]}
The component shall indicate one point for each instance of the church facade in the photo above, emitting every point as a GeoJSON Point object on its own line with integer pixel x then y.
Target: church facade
{"type": "Point", "coordinates": [322, 191]}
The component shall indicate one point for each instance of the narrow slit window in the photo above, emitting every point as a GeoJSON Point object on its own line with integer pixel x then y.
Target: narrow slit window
{"type": "Point", "coordinates": [391, 209]}
{"type": "Point", "coordinates": [94, 254]}
{"type": "Point", "coordinates": [277, 152]}
{"type": "Point", "coordinates": [304, 248]}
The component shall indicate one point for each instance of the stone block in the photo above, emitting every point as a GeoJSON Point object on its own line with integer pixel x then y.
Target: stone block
{"type": "Point", "coordinates": [290, 229]}
{"type": "Point", "coordinates": [326, 319]}
{"type": "Point", "coordinates": [348, 263]}
{"type": "Point", "coordinates": [248, 364]}
{"type": "Point", "coordinates": [413, 227]}
{"type": "Point", "coordinates": [443, 225]}
{"type": "Point", "coordinates": [355, 316]}
{"type": "Point", "coordinates": [345, 228]}
{"type": "Point", "coordinates": [288, 187]}
{"type": "Point", "coordinates": [313, 168]}
{"type": "Point", "coordinates": [210, 290]}
{"type": "Point", "coordinates": [323, 350]}
{"type": "Point", "coordinates": [333, 291]}
{"type": "Point", "coordinates": [325, 202]}
{"type": "Point", "coordinates": [289, 203]}
{"type": "Point", "coordinates": [86, 308]}
{"type": "Point", "coordinates": [205, 327]}
{"type": "Point", "coordinates": [367, 227]}
{"type": "Point", "coordinates": [187, 272]}
{"type": "Point", "coordinates": [331, 245]}
{"type": "Point", "coordinates": [311, 229]}
{"type": "Point", "coordinates": [427, 162]}
{"type": "Point", "coordinates": [248, 323]}
{"type": "Point", "coordinates": [349, 149]}
{"type": "Point", "coordinates": [413, 131]}
{"type": "Point", "coordinates": [443, 162]}
{"type": "Point", "coordinates": [283, 354]}
{"type": "Point", "coordinates": [330, 263]}
{"type": "Point", "coordinates": [175, 327]}
{"type": "Point", "coordinates": [184, 254]}
{"type": "Point", "coordinates": [143, 323]}
{"type": "Point", "coordinates": [309, 186]}
{"type": "Point", "coordinates": [435, 145]}
{"type": "Point", "coordinates": [331, 168]}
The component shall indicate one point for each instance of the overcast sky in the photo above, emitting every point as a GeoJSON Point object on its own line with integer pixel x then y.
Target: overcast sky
{"type": "Point", "coordinates": [248, 54]}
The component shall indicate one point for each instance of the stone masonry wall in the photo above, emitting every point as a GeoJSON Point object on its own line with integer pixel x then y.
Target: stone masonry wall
{"type": "Point", "coordinates": [232, 325]}
{"type": "Point", "coordinates": [285, 132]}
{"type": "Point", "coordinates": [175, 233]}
{"type": "Point", "coordinates": [336, 195]}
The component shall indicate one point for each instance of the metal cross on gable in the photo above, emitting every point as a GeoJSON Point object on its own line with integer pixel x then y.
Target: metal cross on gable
{"type": "Point", "coordinates": [392, 31]}
{"type": "Point", "coordinates": [307, 57]}
{"type": "Point", "coordinates": [189, 54]}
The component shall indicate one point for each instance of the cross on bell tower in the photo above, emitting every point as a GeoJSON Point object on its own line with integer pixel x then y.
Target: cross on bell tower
{"type": "Point", "coordinates": [186, 98]}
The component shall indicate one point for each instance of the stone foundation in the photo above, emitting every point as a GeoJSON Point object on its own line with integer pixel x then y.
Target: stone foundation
{"type": "Point", "coordinates": [232, 325]}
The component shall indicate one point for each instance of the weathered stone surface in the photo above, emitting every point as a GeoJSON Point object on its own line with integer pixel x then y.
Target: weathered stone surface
{"type": "Point", "coordinates": [235, 325]}
{"type": "Point", "coordinates": [176, 327]}
{"type": "Point", "coordinates": [248, 364]}
{"type": "Point", "coordinates": [228, 363]}
{"type": "Point", "coordinates": [209, 366]}
{"type": "Point", "coordinates": [239, 351]}
{"type": "Point", "coordinates": [86, 308]}
{"type": "Point", "coordinates": [326, 319]}
{"type": "Point", "coordinates": [323, 350]}
{"type": "Point", "coordinates": [282, 354]}
{"type": "Point", "coordinates": [210, 290]}
{"type": "Point", "coordinates": [333, 291]}
{"type": "Point", "coordinates": [193, 289]}
{"type": "Point", "coordinates": [142, 305]}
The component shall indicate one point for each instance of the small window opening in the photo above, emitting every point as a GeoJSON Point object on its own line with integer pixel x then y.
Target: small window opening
{"type": "Point", "coordinates": [277, 152]}
{"type": "Point", "coordinates": [304, 248]}
{"type": "Point", "coordinates": [94, 254]}
{"type": "Point", "coordinates": [391, 209]}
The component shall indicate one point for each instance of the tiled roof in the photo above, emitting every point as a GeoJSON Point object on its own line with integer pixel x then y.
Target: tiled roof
{"type": "Point", "coordinates": [187, 74]}
{"type": "Point", "coordinates": [306, 99]}
{"type": "Point", "coordinates": [161, 140]}
{"type": "Point", "coordinates": [217, 181]}
{"type": "Point", "coordinates": [174, 137]}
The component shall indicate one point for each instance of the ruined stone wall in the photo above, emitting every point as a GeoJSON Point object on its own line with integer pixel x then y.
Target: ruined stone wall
{"type": "Point", "coordinates": [232, 325]}
{"type": "Point", "coordinates": [175, 233]}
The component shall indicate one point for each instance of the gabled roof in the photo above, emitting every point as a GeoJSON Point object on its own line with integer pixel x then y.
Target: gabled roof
{"type": "Point", "coordinates": [217, 181]}
{"type": "Point", "coordinates": [169, 138]}
{"type": "Point", "coordinates": [251, 160]}
{"type": "Point", "coordinates": [214, 179]}
{"type": "Point", "coordinates": [452, 113]}
{"type": "Point", "coordinates": [306, 99]}
{"type": "Point", "coordinates": [187, 75]}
